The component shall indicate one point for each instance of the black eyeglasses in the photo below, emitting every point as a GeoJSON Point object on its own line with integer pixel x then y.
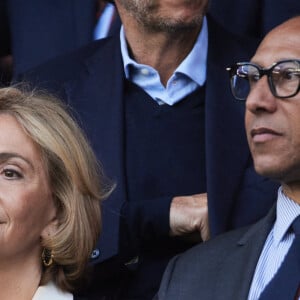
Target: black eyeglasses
{"type": "Point", "coordinates": [283, 78]}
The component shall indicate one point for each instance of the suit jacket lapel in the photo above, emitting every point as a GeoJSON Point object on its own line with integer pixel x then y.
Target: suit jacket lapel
{"type": "Point", "coordinates": [103, 121]}
{"type": "Point", "coordinates": [243, 260]}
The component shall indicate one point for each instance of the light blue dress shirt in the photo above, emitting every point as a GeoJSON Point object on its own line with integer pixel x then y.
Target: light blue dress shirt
{"type": "Point", "coordinates": [276, 246]}
{"type": "Point", "coordinates": [103, 25]}
{"type": "Point", "coordinates": [189, 75]}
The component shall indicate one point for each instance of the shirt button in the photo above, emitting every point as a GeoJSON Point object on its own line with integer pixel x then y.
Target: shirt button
{"type": "Point", "coordinates": [95, 254]}
{"type": "Point", "coordinates": [145, 71]}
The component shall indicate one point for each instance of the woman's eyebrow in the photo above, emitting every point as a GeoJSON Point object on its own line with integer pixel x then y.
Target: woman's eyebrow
{"type": "Point", "coordinates": [7, 155]}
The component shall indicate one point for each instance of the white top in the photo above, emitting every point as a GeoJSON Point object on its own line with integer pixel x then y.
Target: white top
{"type": "Point", "coordinates": [50, 292]}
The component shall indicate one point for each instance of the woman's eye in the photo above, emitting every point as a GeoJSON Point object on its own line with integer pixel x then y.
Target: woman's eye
{"type": "Point", "coordinates": [11, 174]}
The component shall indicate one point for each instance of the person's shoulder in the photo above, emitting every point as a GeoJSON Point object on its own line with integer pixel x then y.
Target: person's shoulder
{"type": "Point", "coordinates": [192, 274]}
{"type": "Point", "coordinates": [67, 65]}
{"type": "Point", "coordinates": [209, 254]}
{"type": "Point", "coordinates": [55, 73]}
{"type": "Point", "coordinates": [215, 249]}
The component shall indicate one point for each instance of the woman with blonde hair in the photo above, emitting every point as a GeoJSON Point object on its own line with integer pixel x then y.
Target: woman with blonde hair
{"type": "Point", "coordinates": [51, 187]}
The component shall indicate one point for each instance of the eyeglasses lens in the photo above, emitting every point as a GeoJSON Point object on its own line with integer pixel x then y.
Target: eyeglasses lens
{"type": "Point", "coordinates": [285, 78]}
{"type": "Point", "coordinates": [243, 79]}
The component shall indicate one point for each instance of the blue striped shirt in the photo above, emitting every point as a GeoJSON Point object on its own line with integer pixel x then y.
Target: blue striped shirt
{"type": "Point", "coordinates": [276, 246]}
{"type": "Point", "coordinates": [188, 76]}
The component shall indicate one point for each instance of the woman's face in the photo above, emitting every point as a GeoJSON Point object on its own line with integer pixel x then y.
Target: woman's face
{"type": "Point", "coordinates": [27, 210]}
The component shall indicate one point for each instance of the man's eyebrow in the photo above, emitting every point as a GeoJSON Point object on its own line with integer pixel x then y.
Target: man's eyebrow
{"type": "Point", "coordinates": [7, 155]}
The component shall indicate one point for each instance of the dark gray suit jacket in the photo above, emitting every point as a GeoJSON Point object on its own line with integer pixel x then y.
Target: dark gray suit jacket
{"type": "Point", "coordinates": [221, 268]}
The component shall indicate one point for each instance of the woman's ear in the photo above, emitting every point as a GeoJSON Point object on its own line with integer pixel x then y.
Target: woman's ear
{"type": "Point", "coordinates": [50, 229]}
{"type": "Point", "coordinates": [52, 224]}
{"type": "Point", "coordinates": [52, 221]}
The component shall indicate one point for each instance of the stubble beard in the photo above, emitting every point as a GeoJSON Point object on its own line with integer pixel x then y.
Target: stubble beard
{"type": "Point", "coordinates": [142, 12]}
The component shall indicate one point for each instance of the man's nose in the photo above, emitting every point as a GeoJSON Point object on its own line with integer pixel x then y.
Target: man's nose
{"type": "Point", "coordinates": [260, 98]}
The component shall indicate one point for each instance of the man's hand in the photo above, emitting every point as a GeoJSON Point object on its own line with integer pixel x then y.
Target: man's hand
{"type": "Point", "coordinates": [189, 214]}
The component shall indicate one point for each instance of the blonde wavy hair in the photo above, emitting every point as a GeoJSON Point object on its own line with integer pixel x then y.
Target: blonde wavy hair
{"type": "Point", "coordinates": [75, 178]}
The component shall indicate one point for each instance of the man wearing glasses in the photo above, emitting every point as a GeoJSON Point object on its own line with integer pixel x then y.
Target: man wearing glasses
{"type": "Point", "coordinates": [261, 261]}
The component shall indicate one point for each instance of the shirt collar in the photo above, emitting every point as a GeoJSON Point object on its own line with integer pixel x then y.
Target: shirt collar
{"type": "Point", "coordinates": [197, 56]}
{"type": "Point", "coordinates": [286, 212]}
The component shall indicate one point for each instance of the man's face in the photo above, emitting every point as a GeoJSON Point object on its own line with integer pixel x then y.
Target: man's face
{"type": "Point", "coordinates": [166, 15]}
{"type": "Point", "coordinates": [272, 124]}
